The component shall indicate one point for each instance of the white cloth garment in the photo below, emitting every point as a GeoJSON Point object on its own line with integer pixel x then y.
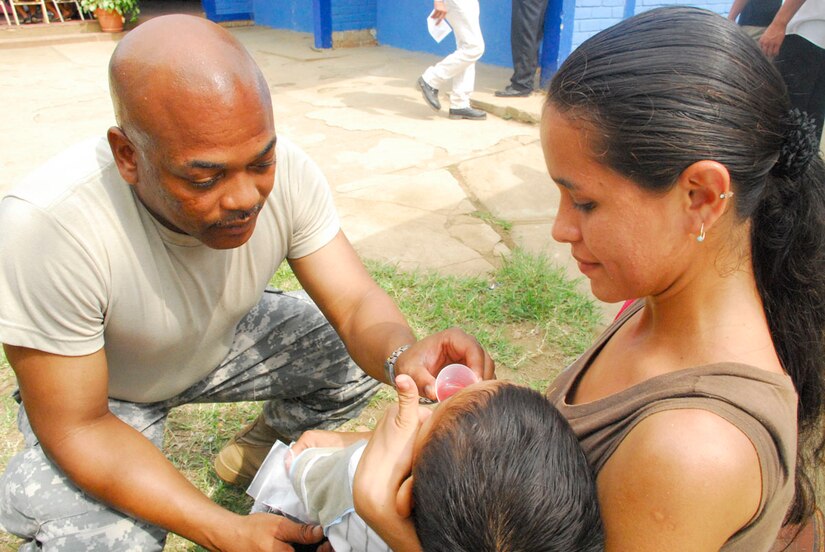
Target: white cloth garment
{"type": "Point", "coordinates": [460, 66]}
{"type": "Point", "coordinates": [809, 22]}
{"type": "Point", "coordinates": [317, 489]}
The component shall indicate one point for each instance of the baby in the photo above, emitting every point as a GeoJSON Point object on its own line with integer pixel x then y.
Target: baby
{"type": "Point", "coordinates": [495, 468]}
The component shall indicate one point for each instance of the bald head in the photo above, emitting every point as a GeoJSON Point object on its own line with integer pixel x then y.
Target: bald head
{"type": "Point", "coordinates": [172, 70]}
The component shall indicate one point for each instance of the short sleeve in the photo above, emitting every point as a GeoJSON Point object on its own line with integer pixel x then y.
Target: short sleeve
{"type": "Point", "coordinates": [52, 294]}
{"type": "Point", "coordinates": [314, 219]}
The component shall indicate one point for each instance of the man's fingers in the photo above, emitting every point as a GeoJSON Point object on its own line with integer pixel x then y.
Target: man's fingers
{"type": "Point", "coordinates": [468, 348]}
{"type": "Point", "coordinates": [299, 533]}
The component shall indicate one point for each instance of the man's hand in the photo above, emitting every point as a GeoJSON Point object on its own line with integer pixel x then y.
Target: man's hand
{"type": "Point", "coordinates": [772, 38]}
{"type": "Point", "coordinates": [425, 358]}
{"type": "Point", "coordinates": [385, 465]}
{"type": "Point", "coordinates": [270, 533]}
{"type": "Point", "coordinates": [439, 11]}
{"type": "Point", "coordinates": [774, 35]}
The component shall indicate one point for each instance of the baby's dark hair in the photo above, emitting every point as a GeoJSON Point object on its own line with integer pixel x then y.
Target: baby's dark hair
{"type": "Point", "coordinates": [505, 473]}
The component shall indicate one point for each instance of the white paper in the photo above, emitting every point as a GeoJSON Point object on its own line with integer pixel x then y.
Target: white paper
{"type": "Point", "coordinates": [271, 486]}
{"type": "Point", "coordinates": [438, 30]}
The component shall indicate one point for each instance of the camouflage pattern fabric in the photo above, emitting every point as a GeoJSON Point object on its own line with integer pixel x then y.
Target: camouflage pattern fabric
{"type": "Point", "coordinates": [284, 352]}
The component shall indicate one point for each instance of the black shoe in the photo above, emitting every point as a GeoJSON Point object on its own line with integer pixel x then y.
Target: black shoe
{"type": "Point", "coordinates": [510, 92]}
{"type": "Point", "coordinates": [430, 94]}
{"type": "Point", "coordinates": [468, 113]}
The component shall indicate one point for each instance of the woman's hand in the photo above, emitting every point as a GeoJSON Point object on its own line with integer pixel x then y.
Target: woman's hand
{"type": "Point", "coordinates": [425, 358]}
{"type": "Point", "coordinates": [384, 467]}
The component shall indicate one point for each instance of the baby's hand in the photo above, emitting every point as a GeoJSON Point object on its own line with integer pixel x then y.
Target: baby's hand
{"type": "Point", "coordinates": [386, 464]}
{"type": "Point", "coordinates": [320, 438]}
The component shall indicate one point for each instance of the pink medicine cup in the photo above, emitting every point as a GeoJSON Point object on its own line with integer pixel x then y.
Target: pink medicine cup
{"type": "Point", "coordinates": [451, 379]}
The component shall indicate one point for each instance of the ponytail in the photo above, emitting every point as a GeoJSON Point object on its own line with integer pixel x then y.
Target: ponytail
{"type": "Point", "coordinates": [788, 249]}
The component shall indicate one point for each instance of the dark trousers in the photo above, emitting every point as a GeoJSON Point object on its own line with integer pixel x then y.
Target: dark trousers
{"type": "Point", "coordinates": [802, 64]}
{"type": "Point", "coordinates": [525, 38]}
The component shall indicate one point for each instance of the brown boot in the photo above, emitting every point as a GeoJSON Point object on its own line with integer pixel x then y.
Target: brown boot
{"type": "Point", "coordinates": [240, 459]}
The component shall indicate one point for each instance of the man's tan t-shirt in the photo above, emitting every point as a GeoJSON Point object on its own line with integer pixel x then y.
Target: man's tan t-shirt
{"type": "Point", "coordinates": [85, 266]}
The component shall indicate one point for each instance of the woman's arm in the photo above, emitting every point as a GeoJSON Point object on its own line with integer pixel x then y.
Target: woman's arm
{"type": "Point", "coordinates": [682, 481]}
{"type": "Point", "coordinates": [386, 466]}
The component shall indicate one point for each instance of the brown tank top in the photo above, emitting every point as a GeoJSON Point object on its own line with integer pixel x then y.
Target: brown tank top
{"type": "Point", "coordinates": [761, 404]}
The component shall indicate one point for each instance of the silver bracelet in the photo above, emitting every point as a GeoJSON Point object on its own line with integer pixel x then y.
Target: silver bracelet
{"type": "Point", "coordinates": [389, 364]}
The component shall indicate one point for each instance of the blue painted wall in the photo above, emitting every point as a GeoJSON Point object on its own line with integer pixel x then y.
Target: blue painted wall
{"type": "Point", "coordinates": [295, 15]}
{"type": "Point", "coordinates": [403, 24]}
{"type": "Point", "coordinates": [591, 16]}
{"type": "Point", "coordinates": [354, 15]}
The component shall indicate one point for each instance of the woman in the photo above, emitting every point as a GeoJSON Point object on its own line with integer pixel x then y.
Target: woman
{"type": "Point", "coordinates": [686, 180]}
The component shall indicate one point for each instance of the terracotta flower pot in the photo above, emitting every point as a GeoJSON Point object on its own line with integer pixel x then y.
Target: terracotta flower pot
{"type": "Point", "coordinates": [110, 21]}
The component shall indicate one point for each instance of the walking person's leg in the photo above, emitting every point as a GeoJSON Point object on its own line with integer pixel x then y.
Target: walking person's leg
{"type": "Point", "coordinates": [464, 18]}
{"type": "Point", "coordinates": [462, 15]}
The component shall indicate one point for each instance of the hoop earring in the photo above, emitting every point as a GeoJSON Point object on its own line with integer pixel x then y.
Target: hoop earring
{"type": "Point", "coordinates": [701, 237]}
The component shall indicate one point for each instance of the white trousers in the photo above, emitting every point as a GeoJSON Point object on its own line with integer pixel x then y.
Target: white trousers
{"type": "Point", "coordinates": [460, 66]}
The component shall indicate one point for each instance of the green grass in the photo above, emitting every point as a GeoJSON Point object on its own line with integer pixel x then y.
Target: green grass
{"type": "Point", "coordinates": [526, 289]}
{"type": "Point", "coordinates": [526, 296]}
{"type": "Point", "coordinates": [492, 220]}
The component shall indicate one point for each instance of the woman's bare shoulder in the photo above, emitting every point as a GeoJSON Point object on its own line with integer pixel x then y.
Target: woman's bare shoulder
{"type": "Point", "coordinates": [682, 480]}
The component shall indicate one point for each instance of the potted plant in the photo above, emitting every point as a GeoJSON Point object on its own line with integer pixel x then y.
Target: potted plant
{"type": "Point", "coordinates": [111, 14]}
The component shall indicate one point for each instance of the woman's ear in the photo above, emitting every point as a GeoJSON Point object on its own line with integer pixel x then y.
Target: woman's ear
{"type": "Point", "coordinates": [404, 498]}
{"type": "Point", "coordinates": [707, 188]}
{"type": "Point", "coordinates": [124, 153]}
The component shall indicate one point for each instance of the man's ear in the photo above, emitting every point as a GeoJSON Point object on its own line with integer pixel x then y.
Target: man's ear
{"type": "Point", "coordinates": [124, 153]}
{"type": "Point", "coordinates": [707, 188]}
{"type": "Point", "coordinates": [404, 498]}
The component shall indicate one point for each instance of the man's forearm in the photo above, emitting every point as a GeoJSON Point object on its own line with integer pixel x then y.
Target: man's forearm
{"type": "Point", "coordinates": [773, 37]}
{"type": "Point", "coordinates": [736, 9]}
{"type": "Point", "coordinates": [131, 475]}
{"type": "Point", "coordinates": [786, 12]}
{"type": "Point", "coordinates": [375, 329]}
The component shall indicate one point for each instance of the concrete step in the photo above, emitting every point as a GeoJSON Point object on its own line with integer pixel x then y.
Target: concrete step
{"type": "Point", "coordinates": [30, 34]}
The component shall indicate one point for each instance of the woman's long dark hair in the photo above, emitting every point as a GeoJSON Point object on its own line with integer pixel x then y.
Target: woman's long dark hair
{"type": "Point", "coordinates": [673, 86]}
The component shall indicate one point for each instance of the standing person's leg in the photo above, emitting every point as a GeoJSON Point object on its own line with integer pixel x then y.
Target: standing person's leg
{"type": "Point", "coordinates": [816, 107]}
{"type": "Point", "coordinates": [526, 31]}
{"type": "Point", "coordinates": [284, 352]}
{"type": "Point", "coordinates": [41, 505]}
{"type": "Point", "coordinates": [802, 65]}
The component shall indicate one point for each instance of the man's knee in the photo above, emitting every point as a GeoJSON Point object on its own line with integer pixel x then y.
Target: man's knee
{"type": "Point", "coordinates": [38, 503]}
{"type": "Point", "coordinates": [473, 50]}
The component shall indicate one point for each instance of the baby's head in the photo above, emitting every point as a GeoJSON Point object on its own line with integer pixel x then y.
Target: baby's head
{"type": "Point", "coordinates": [496, 468]}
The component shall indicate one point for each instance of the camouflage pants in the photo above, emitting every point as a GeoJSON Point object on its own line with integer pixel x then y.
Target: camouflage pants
{"type": "Point", "coordinates": [284, 352]}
